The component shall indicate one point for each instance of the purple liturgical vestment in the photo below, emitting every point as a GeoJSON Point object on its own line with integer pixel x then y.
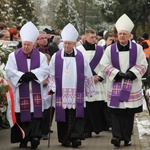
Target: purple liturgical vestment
{"type": "Point", "coordinates": [24, 87]}
{"type": "Point", "coordinates": [60, 112]}
{"type": "Point", "coordinates": [122, 92]}
{"type": "Point", "coordinates": [97, 57]}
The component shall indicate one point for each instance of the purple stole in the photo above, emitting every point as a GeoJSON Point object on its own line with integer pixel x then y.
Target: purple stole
{"type": "Point", "coordinates": [121, 93]}
{"type": "Point", "coordinates": [24, 91]}
{"type": "Point", "coordinates": [97, 57]}
{"type": "Point", "coordinates": [60, 112]}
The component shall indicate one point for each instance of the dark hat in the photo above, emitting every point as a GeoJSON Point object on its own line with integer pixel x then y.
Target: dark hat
{"type": "Point", "coordinates": [140, 39]}
{"type": "Point", "coordinates": [100, 33]}
{"type": "Point", "coordinates": [48, 31]}
{"type": "Point", "coordinates": [145, 35]}
{"type": "Point", "coordinates": [52, 32]}
{"type": "Point", "coordinates": [1, 35]}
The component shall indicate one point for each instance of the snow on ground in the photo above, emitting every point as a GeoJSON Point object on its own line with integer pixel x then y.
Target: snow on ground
{"type": "Point", "coordinates": [143, 122]}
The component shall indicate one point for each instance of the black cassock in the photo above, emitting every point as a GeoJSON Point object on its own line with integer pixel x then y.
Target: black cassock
{"type": "Point", "coordinates": [31, 129]}
{"type": "Point", "coordinates": [123, 121]}
{"type": "Point", "coordinates": [95, 120]}
{"type": "Point", "coordinates": [72, 128]}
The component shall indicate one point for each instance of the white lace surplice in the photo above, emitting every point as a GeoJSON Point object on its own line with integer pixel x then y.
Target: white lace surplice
{"type": "Point", "coordinates": [69, 81]}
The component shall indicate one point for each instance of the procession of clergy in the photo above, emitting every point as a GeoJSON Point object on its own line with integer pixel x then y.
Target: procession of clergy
{"type": "Point", "coordinates": [92, 88]}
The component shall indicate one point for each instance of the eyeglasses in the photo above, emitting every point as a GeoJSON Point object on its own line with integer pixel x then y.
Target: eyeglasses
{"type": "Point", "coordinates": [43, 38]}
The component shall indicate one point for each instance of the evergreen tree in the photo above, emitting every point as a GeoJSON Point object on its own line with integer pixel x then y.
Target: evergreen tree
{"type": "Point", "coordinates": [44, 11]}
{"type": "Point", "coordinates": [66, 13]}
{"type": "Point", "coordinates": [90, 15]}
{"type": "Point", "coordinates": [137, 10]}
{"type": "Point", "coordinates": [17, 12]}
{"type": "Point", "coordinates": [6, 11]}
{"type": "Point", "coordinates": [83, 14]}
{"type": "Point", "coordinates": [24, 11]}
{"type": "Point", "coordinates": [100, 14]}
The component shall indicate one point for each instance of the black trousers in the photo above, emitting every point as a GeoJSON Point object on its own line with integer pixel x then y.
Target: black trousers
{"type": "Point", "coordinates": [122, 126]}
{"type": "Point", "coordinates": [32, 129]}
{"type": "Point", "coordinates": [95, 119]}
{"type": "Point", "coordinates": [72, 128]}
{"type": "Point", "coordinates": [47, 114]}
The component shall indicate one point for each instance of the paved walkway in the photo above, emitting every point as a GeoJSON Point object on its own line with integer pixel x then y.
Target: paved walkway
{"type": "Point", "coordinates": [140, 138]}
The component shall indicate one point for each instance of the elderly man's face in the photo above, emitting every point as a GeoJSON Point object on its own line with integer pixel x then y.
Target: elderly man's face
{"type": "Point", "coordinates": [27, 47]}
{"type": "Point", "coordinates": [123, 37]}
{"type": "Point", "coordinates": [68, 46]}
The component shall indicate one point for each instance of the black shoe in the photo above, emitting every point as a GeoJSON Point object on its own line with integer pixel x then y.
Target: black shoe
{"type": "Point", "coordinates": [34, 143]}
{"type": "Point", "coordinates": [116, 142]}
{"type": "Point", "coordinates": [96, 133]}
{"type": "Point", "coordinates": [127, 143]}
{"type": "Point", "coordinates": [76, 143]}
{"type": "Point", "coordinates": [51, 131]}
{"type": "Point", "coordinates": [66, 143]}
{"type": "Point", "coordinates": [87, 134]}
{"type": "Point", "coordinates": [45, 137]}
{"type": "Point", "coordinates": [23, 145]}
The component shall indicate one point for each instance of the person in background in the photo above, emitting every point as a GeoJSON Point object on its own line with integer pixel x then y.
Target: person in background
{"type": "Point", "coordinates": [140, 40]}
{"type": "Point", "coordinates": [114, 31]}
{"type": "Point", "coordinates": [81, 41]}
{"type": "Point", "coordinates": [18, 38]}
{"type": "Point", "coordinates": [132, 38]}
{"type": "Point", "coordinates": [101, 41]}
{"type": "Point", "coordinates": [146, 44]}
{"type": "Point", "coordinates": [42, 42]}
{"type": "Point", "coordinates": [53, 48]}
{"type": "Point", "coordinates": [50, 34]}
{"type": "Point", "coordinates": [71, 80]}
{"type": "Point", "coordinates": [13, 34]}
{"type": "Point", "coordinates": [6, 36]}
{"type": "Point", "coordinates": [109, 38]}
{"type": "Point", "coordinates": [48, 109]}
{"type": "Point", "coordinates": [1, 36]}
{"type": "Point", "coordinates": [26, 69]}
{"type": "Point", "coordinates": [124, 64]}
{"type": "Point", "coordinates": [146, 47]}
{"type": "Point", "coordinates": [43, 45]}
{"type": "Point", "coordinates": [95, 120]}
{"type": "Point", "coordinates": [58, 32]}
{"type": "Point", "coordinates": [99, 36]}
{"type": "Point", "coordinates": [3, 26]}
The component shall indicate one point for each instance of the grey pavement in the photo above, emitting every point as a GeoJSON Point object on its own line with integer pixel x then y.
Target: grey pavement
{"type": "Point", "coordinates": [97, 142]}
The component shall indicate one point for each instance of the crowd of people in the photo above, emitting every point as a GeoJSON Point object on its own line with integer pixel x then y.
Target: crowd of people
{"type": "Point", "coordinates": [89, 85]}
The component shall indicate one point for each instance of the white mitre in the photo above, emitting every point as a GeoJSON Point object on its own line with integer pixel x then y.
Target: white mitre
{"type": "Point", "coordinates": [124, 23]}
{"type": "Point", "coordinates": [29, 32]}
{"type": "Point", "coordinates": [69, 33]}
